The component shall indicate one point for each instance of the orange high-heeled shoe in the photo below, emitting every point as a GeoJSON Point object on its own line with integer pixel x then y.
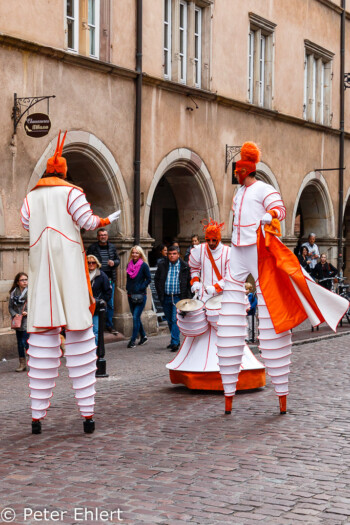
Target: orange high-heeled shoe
{"type": "Point", "coordinates": [283, 404]}
{"type": "Point", "coordinates": [228, 404]}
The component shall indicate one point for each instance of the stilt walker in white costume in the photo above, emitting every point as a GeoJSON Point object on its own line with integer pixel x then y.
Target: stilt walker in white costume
{"type": "Point", "coordinates": [286, 295]}
{"type": "Point", "coordinates": [196, 363]}
{"type": "Point", "coordinates": [59, 291]}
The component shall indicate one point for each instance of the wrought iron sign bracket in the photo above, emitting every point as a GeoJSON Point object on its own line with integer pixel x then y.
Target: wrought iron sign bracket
{"type": "Point", "coordinates": [231, 152]}
{"type": "Point", "coordinates": [346, 80]}
{"type": "Point", "coordinates": [22, 105]}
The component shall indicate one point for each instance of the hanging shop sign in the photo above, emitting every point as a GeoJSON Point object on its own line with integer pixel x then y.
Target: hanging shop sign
{"type": "Point", "coordinates": [37, 125]}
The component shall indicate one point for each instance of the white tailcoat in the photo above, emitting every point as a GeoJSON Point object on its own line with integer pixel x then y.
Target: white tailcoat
{"type": "Point", "coordinates": [57, 288]}
{"type": "Point", "coordinates": [202, 268]}
{"type": "Point", "coordinates": [249, 206]}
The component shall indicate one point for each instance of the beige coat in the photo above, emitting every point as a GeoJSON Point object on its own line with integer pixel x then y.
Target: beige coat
{"type": "Point", "coordinates": [57, 289]}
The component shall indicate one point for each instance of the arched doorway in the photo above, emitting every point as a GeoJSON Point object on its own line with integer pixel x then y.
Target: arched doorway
{"type": "Point", "coordinates": [181, 195]}
{"type": "Point", "coordinates": [313, 213]}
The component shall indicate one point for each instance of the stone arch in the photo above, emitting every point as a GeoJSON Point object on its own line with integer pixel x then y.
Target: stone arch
{"type": "Point", "coordinates": [185, 167]}
{"type": "Point", "coordinates": [104, 179]}
{"type": "Point", "coordinates": [315, 202]}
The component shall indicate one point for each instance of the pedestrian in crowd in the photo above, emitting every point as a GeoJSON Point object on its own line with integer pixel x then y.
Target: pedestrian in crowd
{"type": "Point", "coordinates": [194, 242]}
{"type": "Point", "coordinates": [18, 309]}
{"type": "Point", "coordinates": [297, 248]}
{"type": "Point", "coordinates": [172, 282]}
{"type": "Point", "coordinates": [162, 253]}
{"type": "Point", "coordinates": [251, 311]}
{"type": "Point", "coordinates": [101, 289]}
{"type": "Point", "coordinates": [138, 279]}
{"type": "Point", "coordinates": [59, 291]}
{"type": "Point", "coordinates": [107, 255]}
{"type": "Point", "coordinates": [312, 249]}
{"type": "Point", "coordinates": [323, 272]}
{"type": "Point", "coordinates": [304, 259]}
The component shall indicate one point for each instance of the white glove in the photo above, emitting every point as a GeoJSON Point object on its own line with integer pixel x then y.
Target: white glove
{"type": "Point", "coordinates": [114, 216]}
{"type": "Point", "coordinates": [195, 287]}
{"type": "Point", "coordinates": [267, 218]}
{"type": "Point", "coordinates": [210, 290]}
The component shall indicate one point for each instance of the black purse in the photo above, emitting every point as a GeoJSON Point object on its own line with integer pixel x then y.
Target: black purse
{"type": "Point", "coordinates": [137, 298]}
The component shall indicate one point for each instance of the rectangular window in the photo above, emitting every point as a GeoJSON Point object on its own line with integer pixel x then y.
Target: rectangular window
{"type": "Point", "coordinates": [317, 84]}
{"type": "Point", "coordinates": [167, 39]}
{"type": "Point", "coordinates": [262, 70]}
{"type": "Point", "coordinates": [260, 61]}
{"type": "Point", "coordinates": [250, 65]}
{"type": "Point", "coordinates": [72, 19]}
{"type": "Point", "coordinates": [198, 45]}
{"type": "Point", "coordinates": [94, 27]}
{"type": "Point", "coordinates": [183, 41]}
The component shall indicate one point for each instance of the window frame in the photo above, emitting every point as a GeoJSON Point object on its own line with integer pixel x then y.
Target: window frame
{"type": "Point", "coordinates": [96, 28]}
{"type": "Point", "coordinates": [260, 64]}
{"type": "Point", "coordinates": [183, 39]}
{"type": "Point", "coordinates": [198, 39]}
{"type": "Point", "coordinates": [75, 25]}
{"type": "Point", "coordinates": [318, 75]}
{"type": "Point", "coordinates": [250, 66]}
{"type": "Point", "coordinates": [167, 27]}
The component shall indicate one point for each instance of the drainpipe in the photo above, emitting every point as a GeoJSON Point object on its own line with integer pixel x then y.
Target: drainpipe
{"type": "Point", "coordinates": [137, 157]}
{"type": "Point", "coordinates": [341, 138]}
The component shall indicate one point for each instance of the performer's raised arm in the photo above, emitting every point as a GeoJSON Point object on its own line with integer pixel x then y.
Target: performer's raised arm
{"type": "Point", "coordinates": [82, 214]}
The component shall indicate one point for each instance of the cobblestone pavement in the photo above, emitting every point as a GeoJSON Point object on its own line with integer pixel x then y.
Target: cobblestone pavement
{"type": "Point", "coordinates": [162, 454]}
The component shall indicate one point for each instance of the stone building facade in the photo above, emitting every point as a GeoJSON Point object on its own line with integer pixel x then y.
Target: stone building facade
{"type": "Point", "coordinates": [215, 73]}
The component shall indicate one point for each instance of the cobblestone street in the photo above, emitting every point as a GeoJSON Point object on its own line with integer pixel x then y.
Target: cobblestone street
{"type": "Point", "coordinates": [162, 454]}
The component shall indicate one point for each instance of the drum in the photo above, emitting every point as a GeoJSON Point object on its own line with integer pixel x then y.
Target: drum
{"type": "Point", "coordinates": [191, 318]}
{"type": "Point", "coordinates": [213, 307]}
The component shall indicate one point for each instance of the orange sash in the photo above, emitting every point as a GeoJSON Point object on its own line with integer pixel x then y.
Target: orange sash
{"type": "Point", "coordinates": [215, 268]}
{"type": "Point", "coordinates": [277, 265]}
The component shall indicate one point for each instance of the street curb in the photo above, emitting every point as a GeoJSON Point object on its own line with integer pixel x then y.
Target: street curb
{"type": "Point", "coordinates": [310, 340]}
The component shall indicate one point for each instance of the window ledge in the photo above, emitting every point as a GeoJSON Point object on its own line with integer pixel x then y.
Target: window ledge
{"type": "Point", "coordinates": [261, 23]}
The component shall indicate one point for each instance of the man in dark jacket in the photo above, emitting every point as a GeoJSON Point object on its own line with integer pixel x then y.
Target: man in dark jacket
{"type": "Point", "coordinates": [172, 282]}
{"type": "Point", "coordinates": [107, 254]}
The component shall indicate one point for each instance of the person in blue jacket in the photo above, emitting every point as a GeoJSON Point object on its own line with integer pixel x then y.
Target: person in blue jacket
{"type": "Point", "coordinates": [138, 279]}
{"type": "Point", "coordinates": [251, 311]}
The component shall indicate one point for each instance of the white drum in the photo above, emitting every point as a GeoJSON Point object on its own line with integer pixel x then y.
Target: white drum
{"type": "Point", "coordinates": [191, 317]}
{"type": "Point", "coordinates": [213, 306]}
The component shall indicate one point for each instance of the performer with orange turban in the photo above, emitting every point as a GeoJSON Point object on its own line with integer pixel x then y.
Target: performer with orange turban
{"type": "Point", "coordinates": [59, 291]}
{"type": "Point", "coordinates": [196, 363]}
{"type": "Point", "coordinates": [286, 295]}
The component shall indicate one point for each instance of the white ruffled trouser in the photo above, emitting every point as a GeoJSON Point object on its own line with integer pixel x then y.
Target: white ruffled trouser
{"type": "Point", "coordinates": [275, 348]}
{"type": "Point", "coordinates": [44, 360]}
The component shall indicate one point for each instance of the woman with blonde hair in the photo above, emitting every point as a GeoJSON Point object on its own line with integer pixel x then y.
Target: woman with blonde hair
{"type": "Point", "coordinates": [138, 279]}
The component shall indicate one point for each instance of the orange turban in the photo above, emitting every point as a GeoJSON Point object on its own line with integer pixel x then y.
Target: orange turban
{"type": "Point", "coordinates": [57, 163]}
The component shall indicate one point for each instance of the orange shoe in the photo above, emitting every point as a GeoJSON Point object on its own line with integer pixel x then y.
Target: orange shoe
{"type": "Point", "coordinates": [283, 404]}
{"type": "Point", "coordinates": [228, 404]}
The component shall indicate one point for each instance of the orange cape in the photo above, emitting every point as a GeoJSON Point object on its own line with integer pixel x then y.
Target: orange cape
{"type": "Point", "coordinates": [57, 181]}
{"type": "Point", "coordinates": [277, 266]}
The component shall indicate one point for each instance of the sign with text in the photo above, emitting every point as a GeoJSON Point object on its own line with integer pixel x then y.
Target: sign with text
{"type": "Point", "coordinates": [37, 125]}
